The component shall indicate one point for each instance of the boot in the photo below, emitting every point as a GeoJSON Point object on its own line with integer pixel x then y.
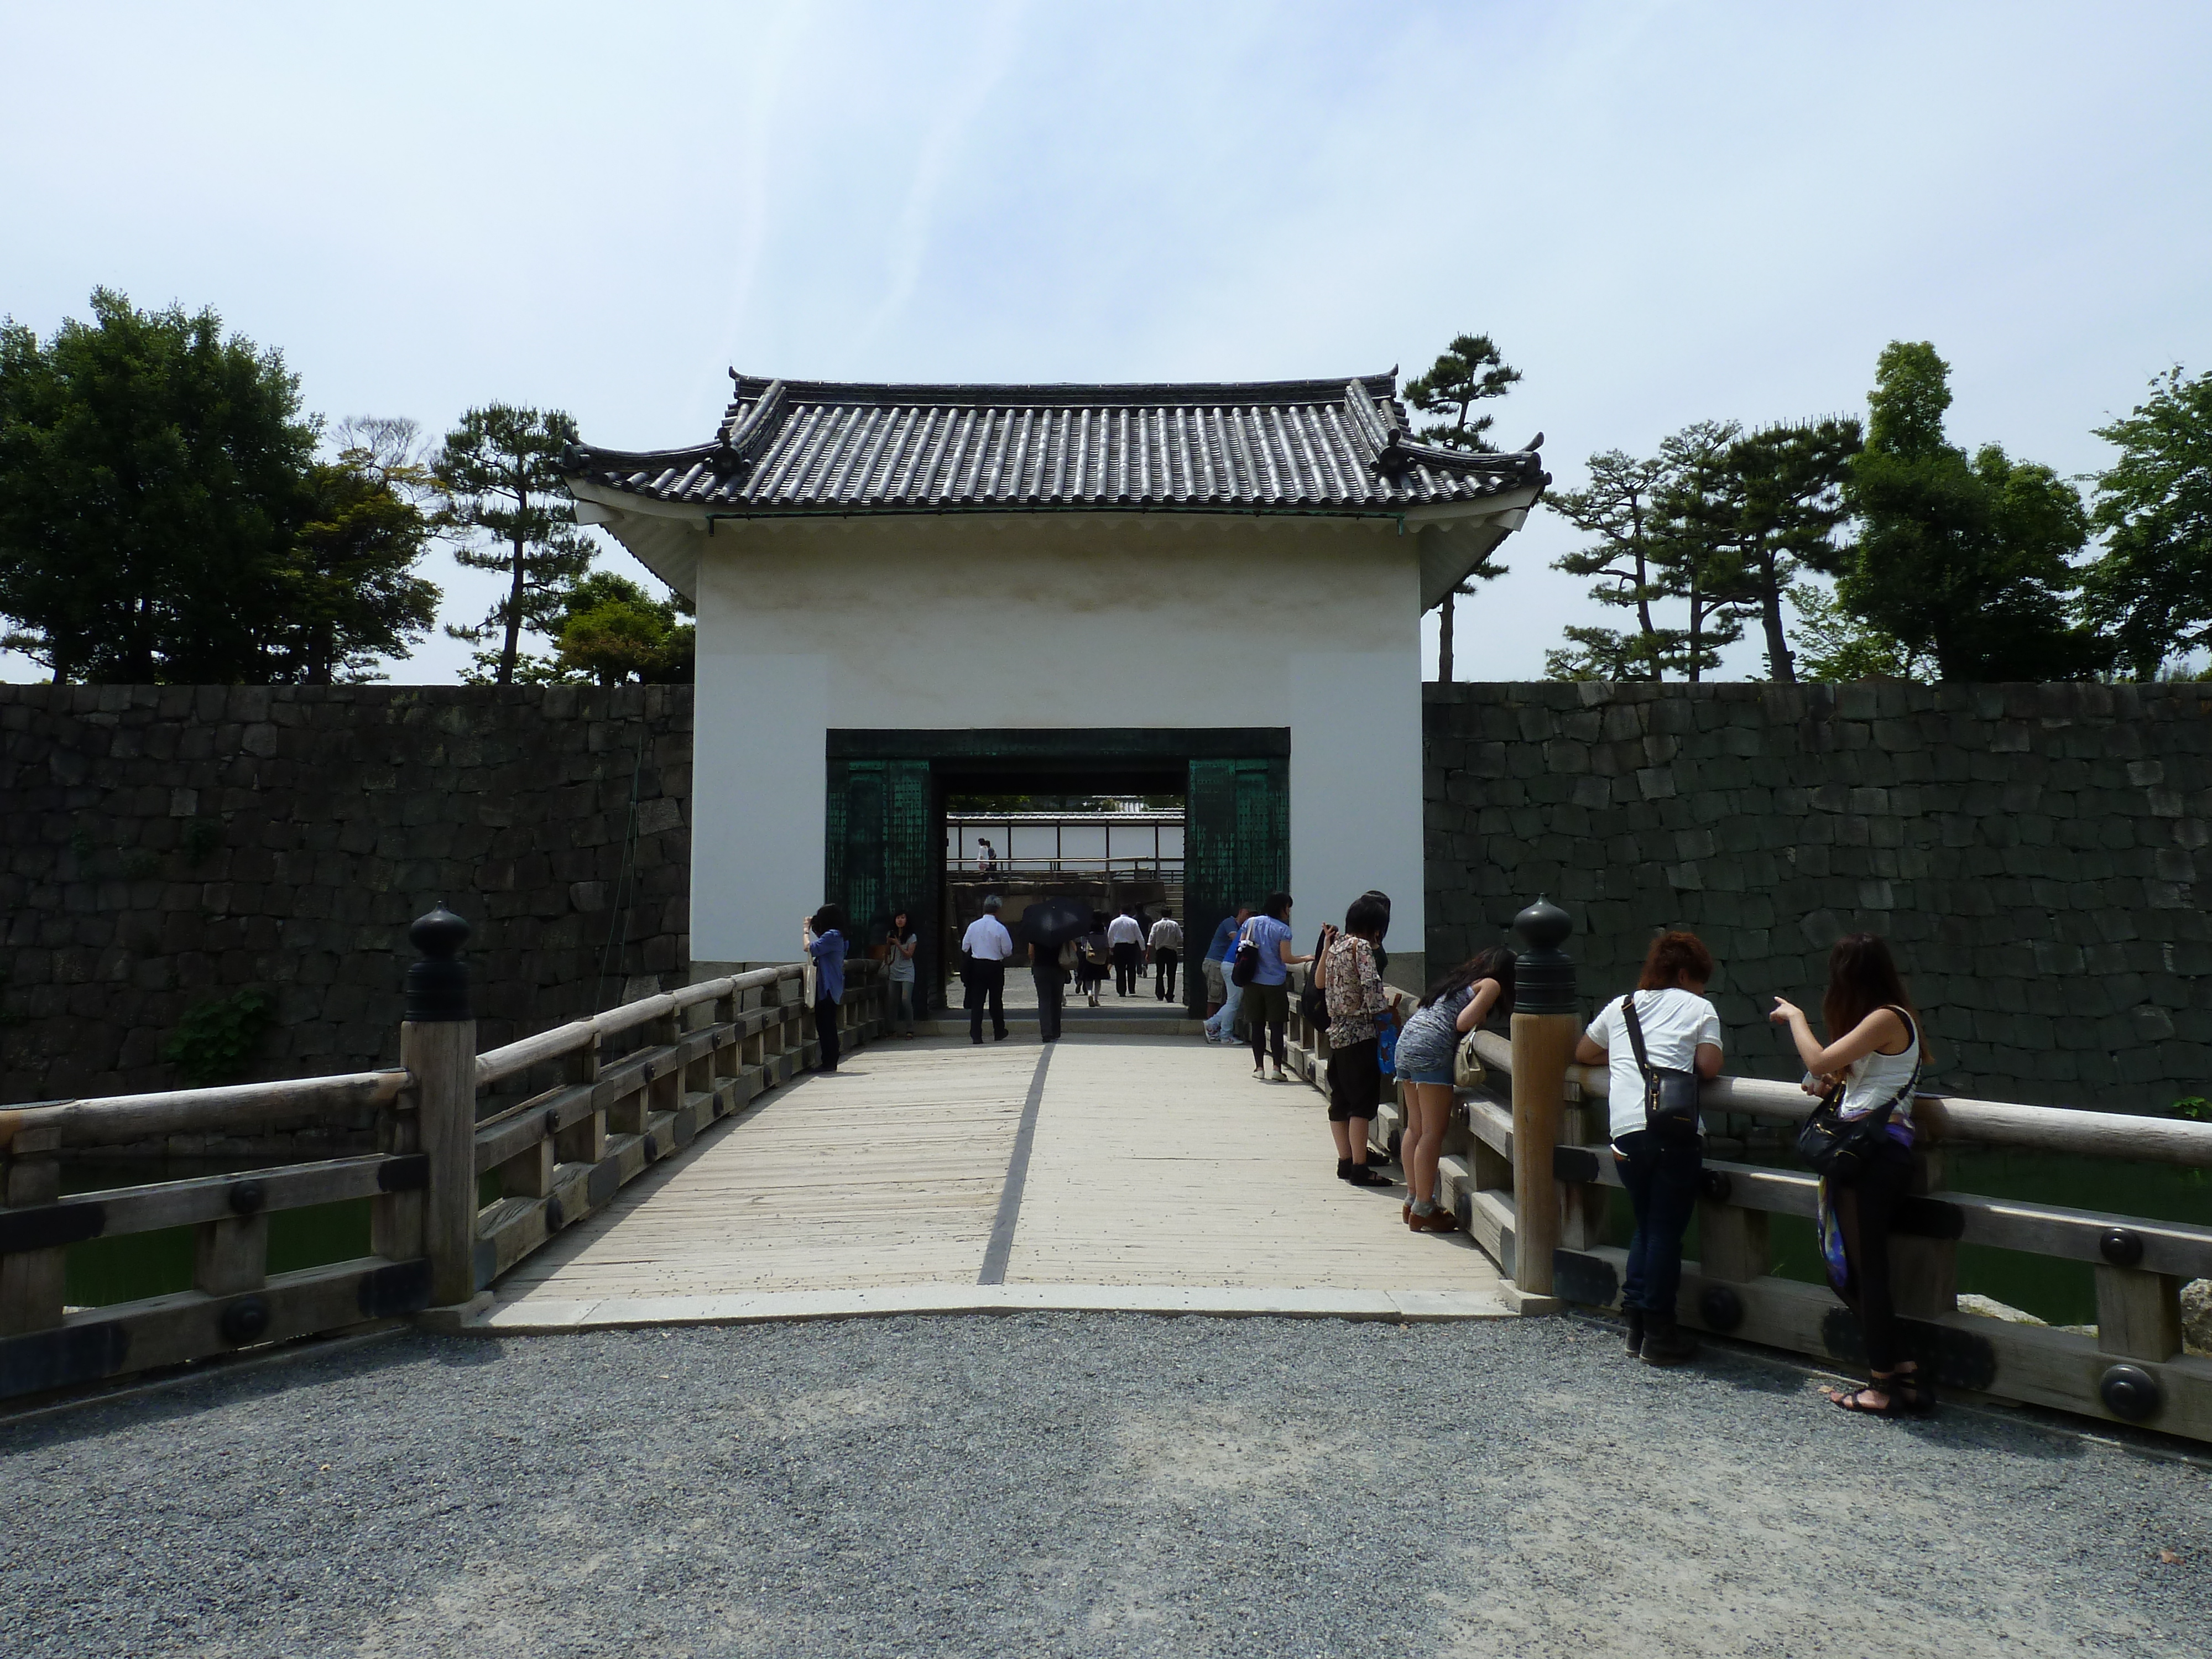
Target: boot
{"type": "Point", "coordinates": [1635, 1331]}
{"type": "Point", "coordinates": [1665, 1343]}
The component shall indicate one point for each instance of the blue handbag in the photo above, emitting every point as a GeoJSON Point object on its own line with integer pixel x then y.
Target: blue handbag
{"type": "Point", "coordinates": [1386, 1048]}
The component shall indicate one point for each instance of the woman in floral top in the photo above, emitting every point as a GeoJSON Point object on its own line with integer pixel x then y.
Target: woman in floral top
{"type": "Point", "coordinates": [1358, 1007]}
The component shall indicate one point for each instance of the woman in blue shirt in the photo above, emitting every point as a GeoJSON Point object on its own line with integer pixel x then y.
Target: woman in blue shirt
{"type": "Point", "coordinates": [823, 935]}
{"type": "Point", "coordinates": [1267, 997]}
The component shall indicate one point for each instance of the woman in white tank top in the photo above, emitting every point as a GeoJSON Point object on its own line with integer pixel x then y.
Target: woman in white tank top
{"type": "Point", "coordinates": [1874, 1052]}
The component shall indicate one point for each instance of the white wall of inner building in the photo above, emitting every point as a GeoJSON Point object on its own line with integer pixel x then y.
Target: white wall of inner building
{"type": "Point", "coordinates": [1050, 622]}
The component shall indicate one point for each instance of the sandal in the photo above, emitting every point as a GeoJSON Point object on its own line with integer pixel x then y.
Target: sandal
{"type": "Point", "coordinates": [1877, 1382]}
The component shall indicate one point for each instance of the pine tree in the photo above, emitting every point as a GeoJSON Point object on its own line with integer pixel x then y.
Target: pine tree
{"type": "Point", "coordinates": [505, 504]}
{"type": "Point", "coordinates": [1471, 370]}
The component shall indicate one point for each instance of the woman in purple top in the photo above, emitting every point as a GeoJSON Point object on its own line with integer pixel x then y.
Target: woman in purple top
{"type": "Point", "coordinates": [824, 936]}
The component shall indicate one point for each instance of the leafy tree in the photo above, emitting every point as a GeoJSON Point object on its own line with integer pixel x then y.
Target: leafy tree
{"type": "Point", "coordinates": [350, 591]}
{"type": "Point", "coordinates": [2151, 588]}
{"type": "Point", "coordinates": [503, 502]}
{"type": "Point", "coordinates": [614, 632]}
{"type": "Point", "coordinates": [151, 475]}
{"type": "Point", "coordinates": [1471, 370]}
{"type": "Point", "coordinates": [1836, 647]}
{"type": "Point", "coordinates": [1965, 560]}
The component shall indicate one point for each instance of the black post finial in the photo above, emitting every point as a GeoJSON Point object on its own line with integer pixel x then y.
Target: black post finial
{"type": "Point", "coordinates": [1543, 974]}
{"type": "Point", "coordinates": [437, 982]}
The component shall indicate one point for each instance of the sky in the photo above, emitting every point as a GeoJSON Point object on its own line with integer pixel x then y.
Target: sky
{"type": "Point", "coordinates": [1662, 212]}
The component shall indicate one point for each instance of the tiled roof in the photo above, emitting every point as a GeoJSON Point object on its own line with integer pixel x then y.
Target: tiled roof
{"type": "Point", "coordinates": [1280, 446]}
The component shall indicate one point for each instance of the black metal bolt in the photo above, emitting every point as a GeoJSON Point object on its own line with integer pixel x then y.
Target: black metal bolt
{"type": "Point", "coordinates": [2121, 1246]}
{"type": "Point", "coordinates": [244, 1321]}
{"type": "Point", "coordinates": [246, 1197]}
{"type": "Point", "coordinates": [2129, 1392]}
{"type": "Point", "coordinates": [652, 1147]}
{"type": "Point", "coordinates": [1716, 1184]}
{"type": "Point", "coordinates": [557, 1214]}
{"type": "Point", "coordinates": [1543, 974]}
{"type": "Point", "coordinates": [1721, 1308]}
{"type": "Point", "coordinates": [438, 983]}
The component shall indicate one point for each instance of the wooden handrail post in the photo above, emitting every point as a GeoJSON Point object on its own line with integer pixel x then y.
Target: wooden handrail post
{"type": "Point", "coordinates": [1546, 1019]}
{"type": "Point", "coordinates": [437, 1046]}
{"type": "Point", "coordinates": [30, 1280]}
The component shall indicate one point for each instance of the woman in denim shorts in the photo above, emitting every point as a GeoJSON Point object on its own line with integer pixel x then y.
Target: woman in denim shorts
{"type": "Point", "coordinates": [1427, 1048]}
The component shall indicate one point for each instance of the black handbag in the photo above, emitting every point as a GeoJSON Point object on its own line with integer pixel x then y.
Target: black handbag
{"type": "Point", "coordinates": [1838, 1148]}
{"type": "Point", "coordinates": [1246, 964]}
{"type": "Point", "coordinates": [1670, 1096]}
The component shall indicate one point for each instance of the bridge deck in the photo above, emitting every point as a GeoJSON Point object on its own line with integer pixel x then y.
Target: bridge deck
{"type": "Point", "coordinates": [1152, 1161]}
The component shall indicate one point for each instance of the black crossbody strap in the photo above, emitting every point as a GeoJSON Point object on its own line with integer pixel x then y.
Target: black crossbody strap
{"type": "Point", "coordinates": [1635, 1034]}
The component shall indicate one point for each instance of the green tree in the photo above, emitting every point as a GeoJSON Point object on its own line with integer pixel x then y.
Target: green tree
{"type": "Point", "coordinates": [2151, 590]}
{"type": "Point", "coordinates": [1788, 501]}
{"type": "Point", "coordinates": [1697, 542]}
{"type": "Point", "coordinates": [613, 632]}
{"type": "Point", "coordinates": [1834, 646]}
{"type": "Point", "coordinates": [1617, 509]}
{"type": "Point", "coordinates": [1471, 370]}
{"type": "Point", "coordinates": [350, 594]}
{"type": "Point", "coordinates": [151, 482]}
{"type": "Point", "coordinates": [1965, 560]}
{"type": "Point", "coordinates": [503, 502]}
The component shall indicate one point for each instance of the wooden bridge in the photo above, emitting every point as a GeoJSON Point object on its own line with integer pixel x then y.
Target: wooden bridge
{"type": "Point", "coordinates": [679, 1159]}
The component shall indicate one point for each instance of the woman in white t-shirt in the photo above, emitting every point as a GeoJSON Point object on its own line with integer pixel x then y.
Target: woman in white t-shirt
{"type": "Point", "coordinates": [1681, 1033]}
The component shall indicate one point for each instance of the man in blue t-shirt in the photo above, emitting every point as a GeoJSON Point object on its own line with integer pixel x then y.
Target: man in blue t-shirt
{"type": "Point", "coordinates": [1220, 994]}
{"type": "Point", "coordinates": [1267, 999]}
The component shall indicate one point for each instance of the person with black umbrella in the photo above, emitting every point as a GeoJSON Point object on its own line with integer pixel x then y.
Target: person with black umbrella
{"type": "Point", "coordinates": [1052, 928]}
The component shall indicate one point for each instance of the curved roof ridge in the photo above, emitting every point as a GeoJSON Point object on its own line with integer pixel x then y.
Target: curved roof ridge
{"type": "Point", "coordinates": [987, 394]}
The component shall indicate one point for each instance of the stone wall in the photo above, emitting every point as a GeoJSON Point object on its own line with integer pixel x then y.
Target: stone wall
{"type": "Point", "coordinates": [165, 846]}
{"type": "Point", "coordinates": [2029, 850]}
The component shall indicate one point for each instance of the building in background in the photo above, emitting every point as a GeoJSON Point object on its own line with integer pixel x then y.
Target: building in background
{"type": "Point", "coordinates": [906, 595]}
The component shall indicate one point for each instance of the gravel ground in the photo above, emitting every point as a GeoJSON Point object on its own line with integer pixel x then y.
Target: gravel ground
{"type": "Point", "coordinates": [1074, 1485]}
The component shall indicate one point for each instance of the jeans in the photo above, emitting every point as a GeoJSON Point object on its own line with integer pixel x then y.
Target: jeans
{"type": "Point", "coordinates": [1164, 967]}
{"type": "Point", "coordinates": [1661, 1178]}
{"type": "Point", "coordinates": [825, 1033]}
{"type": "Point", "coordinates": [1222, 1028]}
{"type": "Point", "coordinates": [1049, 986]}
{"type": "Point", "coordinates": [903, 1006]}
{"type": "Point", "coordinates": [1126, 966]}
{"type": "Point", "coordinates": [987, 982]}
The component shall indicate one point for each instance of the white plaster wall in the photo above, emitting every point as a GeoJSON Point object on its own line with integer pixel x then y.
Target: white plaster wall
{"type": "Point", "coordinates": [1109, 620]}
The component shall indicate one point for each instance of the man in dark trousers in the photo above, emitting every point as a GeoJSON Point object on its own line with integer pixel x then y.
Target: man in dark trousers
{"type": "Point", "coordinates": [984, 949]}
{"type": "Point", "coordinates": [1125, 936]}
{"type": "Point", "coordinates": [1165, 945]}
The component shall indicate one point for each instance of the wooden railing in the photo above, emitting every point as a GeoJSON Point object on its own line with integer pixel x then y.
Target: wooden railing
{"type": "Point", "coordinates": [601, 1100]}
{"type": "Point", "coordinates": [2133, 1369]}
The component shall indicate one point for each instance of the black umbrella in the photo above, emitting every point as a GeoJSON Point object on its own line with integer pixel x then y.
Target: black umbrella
{"type": "Point", "coordinates": [1054, 922]}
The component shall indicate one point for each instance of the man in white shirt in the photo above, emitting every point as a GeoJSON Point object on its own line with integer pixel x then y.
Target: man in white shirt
{"type": "Point", "coordinates": [1125, 937]}
{"type": "Point", "coordinates": [984, 949]}
{"type": "Point", "coordinates": [1166, 944]}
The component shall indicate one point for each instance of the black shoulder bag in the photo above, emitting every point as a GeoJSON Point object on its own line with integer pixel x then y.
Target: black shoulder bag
{"type": "Point", "coordinates": [1247, 962]}
{"type": "Point", "coordinates": [1670, 1096]}
{"type": "Point", "coordinates": [1838, 1148]}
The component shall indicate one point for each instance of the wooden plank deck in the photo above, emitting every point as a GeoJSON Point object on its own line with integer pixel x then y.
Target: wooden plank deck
{"type": "Point", "coordinates": [1154, 1162]}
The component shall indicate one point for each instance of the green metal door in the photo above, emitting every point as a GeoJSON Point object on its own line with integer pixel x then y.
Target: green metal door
{"type": "Point", "coordinates": [880, 833]}
{"type": "Point", "coordinates": [1237, 848]}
